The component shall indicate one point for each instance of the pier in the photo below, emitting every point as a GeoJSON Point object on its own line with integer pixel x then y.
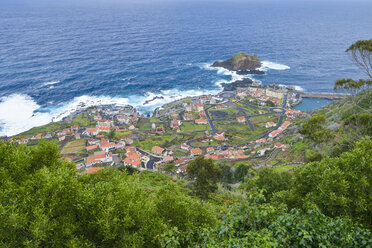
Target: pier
{"type": "Point", "coordinates": [323, 95]}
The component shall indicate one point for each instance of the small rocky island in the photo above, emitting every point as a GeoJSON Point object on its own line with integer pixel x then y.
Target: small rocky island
{"type": "Point", "coordinates": [242, 63]}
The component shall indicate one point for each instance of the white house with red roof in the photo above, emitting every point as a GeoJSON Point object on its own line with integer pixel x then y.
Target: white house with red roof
{"type": "Point", "coordinates": [179, 162]}
{"type": "Point", "coordinates": [98, 157]}
{"type": "Point", "coordinates": [196, 151]}
{"type": "Point", "coordinates": [106, 145]}
{"type": "Point", "coordinates": [210, 150]}
{"type": "Point", "coordinates": [75, 127]}
{"type": "Point", "coordinates": [97, 118]}
{"type": "Point", "coordinates": [270, 124]}
{"type": "Point", "coordinates": [133, 159]}
{"type": "Point", "coordinates": [91, 131]}
{"type": "Point", "coordinates": [123, 119]}
{"type": "Point", "coordinates": [158, 150]}
{"type": "Point", "coordinates": [175, 124]}
{"type": "Point", "coordinates": [241, 119]}
{"type": "Point", "coordinates": [201, 121]}
{"type": "Point", "coordinates": [105, 123]}
{"type": "Point", "coordinates": [185, 146]}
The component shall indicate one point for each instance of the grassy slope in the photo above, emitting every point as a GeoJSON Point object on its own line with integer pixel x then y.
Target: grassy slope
{"type": "Point", "coordinates": [336, 113]}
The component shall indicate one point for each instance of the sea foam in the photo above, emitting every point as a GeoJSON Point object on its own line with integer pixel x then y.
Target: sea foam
{"type": "Point", "coordinates": [17, 114]}
{"type": "Point", "coordinates": [268, 65]}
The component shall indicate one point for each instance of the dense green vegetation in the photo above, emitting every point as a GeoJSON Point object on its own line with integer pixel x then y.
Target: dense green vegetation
{"type": "Point", "coordinates": [45, 203]}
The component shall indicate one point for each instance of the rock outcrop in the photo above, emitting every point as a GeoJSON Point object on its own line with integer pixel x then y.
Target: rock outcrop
{"type": "Point", "coordinates": [241, 63]}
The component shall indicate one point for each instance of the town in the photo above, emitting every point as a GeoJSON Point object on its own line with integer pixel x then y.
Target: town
{"type": "Point", "coordinates": [240, 125]}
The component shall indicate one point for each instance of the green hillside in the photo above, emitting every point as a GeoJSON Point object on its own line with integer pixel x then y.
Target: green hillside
{"type": "Point", "coordinates": [45, 203]}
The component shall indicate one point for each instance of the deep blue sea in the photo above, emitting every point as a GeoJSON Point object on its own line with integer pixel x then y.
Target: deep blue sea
{"type": "Point", "coordinates": [55, 56]}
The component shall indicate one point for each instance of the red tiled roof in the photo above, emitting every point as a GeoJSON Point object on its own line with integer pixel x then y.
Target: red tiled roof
{"type": "Point", "coordinates": [261, 140]}
{"type": "Point", "coordinates": [157, 149]}
{"type": "Point", "coordinates": [179, 161]}
{"type": "Point", "coordinates": [196, 151]}
{"type": "Point", "coordinates": [90, 148]}
{"type": "Point", "coordinates": [201, 121]}
{"type": "Point", "coordinates": [91, 130]}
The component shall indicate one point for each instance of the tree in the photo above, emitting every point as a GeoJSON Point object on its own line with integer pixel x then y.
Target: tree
{"type": "Point", "coordinates": [111, 134]}
{"type": "Point", "coordinates": [314, 129]}
{"type": "Point", "coordinates": [271, 181]}
{"type": "Point", "coordinates": [241, 171]}
{"type": "Point", "coordinates": [361, 123]}
{"type": "Point", "coordinates": [270, 103]}
{"type": "Point", "coordinates": [361, 53]}
{"type": "Point", "coordinates": [339, 186]}
{"type": "Point", "coordinates": [227, 175]}
{"type": "Point", "coordinates": [205, 175]}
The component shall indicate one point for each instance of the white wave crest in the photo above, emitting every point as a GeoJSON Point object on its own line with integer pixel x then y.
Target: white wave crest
{"type": "Point", "coordinates": [268, 65]}
{"type": "Point", "coordinates": [51, 83]}
{"type": "Point", "coordinates": [17, 114]}
{"type": "Point", "coordinates": [222, 71]}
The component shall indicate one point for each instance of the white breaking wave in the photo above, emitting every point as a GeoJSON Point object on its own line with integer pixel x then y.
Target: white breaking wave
{"type": "Point", "coordinates": [51, 83]}
{"type": "Point", "coordinates": [268, 65]}
{"type": "Point", "coordinates": [17, 114]}
{"type": "Point", "coordinates": [226, 72]}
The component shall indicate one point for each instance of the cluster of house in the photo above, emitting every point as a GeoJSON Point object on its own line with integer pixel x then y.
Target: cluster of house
{"type": "Point", "coordinates": [195, 111]}
{"type": "Point", "coordinates": [60, 135]}
{"type": "Point", "coordinates": [229, 153]}
{"type": "Point", "coordinates": [133, 157]}
{"type": "Point", "coordinates": [105, 126]}
{"type": "Point", "coordinates": [277, 145]}
{"type": "Point", "coordinates": [262, 95]}
{"type": "Point", "coordinates": [279, 131]}
{"type": "Point", "coordinates": [292, 113]}
{"type": "Point", "coordinates": [102, 151]}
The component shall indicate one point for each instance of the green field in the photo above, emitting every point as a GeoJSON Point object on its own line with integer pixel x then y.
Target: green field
{"type": "Point", "coordinates": [230, 111]}
{"type": "Point", "coordinates": [190, 127]}
{"type": "Point", "coordinates": [231, 125]}
{"type": "Point", "coordinates": [83, 120]}
{"type": "Point", "coordinates": [73, 146]}
{"type": "Point", "coordinates": [154, 120]}
{"type": "Point", "coordinates": [48, 128]}
{"type": "Point", "coordinates": [152, 141]}
{"type": "Point", "coordinates": [117, 134]}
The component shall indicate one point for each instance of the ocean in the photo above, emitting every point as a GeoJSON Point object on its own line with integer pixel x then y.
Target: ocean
{"type": "Point", "coordinates": [59, 56]}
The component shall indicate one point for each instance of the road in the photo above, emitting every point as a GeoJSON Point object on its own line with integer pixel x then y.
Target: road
{"type": "Point", "coordinates": [150, 164]}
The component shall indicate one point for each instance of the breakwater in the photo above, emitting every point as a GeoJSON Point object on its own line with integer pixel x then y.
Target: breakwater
{"type": "Point", "coordinates": [323, 95]}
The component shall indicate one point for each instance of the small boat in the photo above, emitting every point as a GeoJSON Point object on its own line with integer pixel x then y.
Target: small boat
{"type": "Point", "coordinates": [331, 99]}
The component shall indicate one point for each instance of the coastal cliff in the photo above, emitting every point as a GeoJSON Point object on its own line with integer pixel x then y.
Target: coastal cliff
{"type": "Point", "coordinates": [242, 62]}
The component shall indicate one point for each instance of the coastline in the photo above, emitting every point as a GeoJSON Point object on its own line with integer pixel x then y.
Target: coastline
{"type": "Point", "coordinates": [152, 101]}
